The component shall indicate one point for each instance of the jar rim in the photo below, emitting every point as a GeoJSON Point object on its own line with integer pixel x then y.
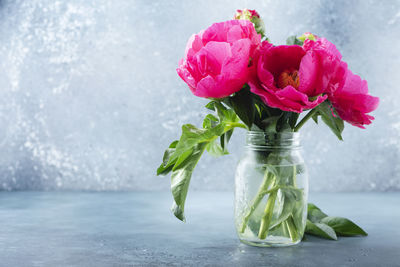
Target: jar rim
{"type": "Point", "coordinates": [281, 134]}
{"type": "Point", "coordinates": [273, 140]}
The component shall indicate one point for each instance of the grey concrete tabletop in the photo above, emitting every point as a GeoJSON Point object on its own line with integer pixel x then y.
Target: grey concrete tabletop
{"type": "Point", "coordinates": [137, 229]}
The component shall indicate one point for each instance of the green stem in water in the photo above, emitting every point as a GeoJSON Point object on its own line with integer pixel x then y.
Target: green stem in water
{"type": "Point", "coordinates": [305, 119]}
{"type": "Point", "coordinates": [266, 219]}
{"type": "Point", "coordinates": [292, 229]}
{"type": "Point", "coordinates": [284, 228]}
{"type": "Point", "coordinates": [289, 223]}
{"type": "Point", "coordinates": [294, 182]}
{"type": "Point", "coordinates": [266, 183]}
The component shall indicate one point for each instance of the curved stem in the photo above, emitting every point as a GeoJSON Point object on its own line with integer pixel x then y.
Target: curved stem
{"type": "Point", "coordinates": [262, 191]}
{"type": "Point", "coordinates": [305, 119]}
{"type": "Point", "coordinates": [266, 219]}
{"type": "Point", "coordinates": [292, 229]}
{"type": "Point", "coordinates": [236, 124]}
{"type": "Point", "coordinates": [294, 182]}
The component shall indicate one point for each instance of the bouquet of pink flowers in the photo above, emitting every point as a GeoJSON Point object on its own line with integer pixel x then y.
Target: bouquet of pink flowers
{"type": "Point", "coordinates": [264, 88]}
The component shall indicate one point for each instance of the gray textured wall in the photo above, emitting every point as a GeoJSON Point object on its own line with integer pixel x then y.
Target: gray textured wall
{"type": "Point", "coordinates": [89, 97]}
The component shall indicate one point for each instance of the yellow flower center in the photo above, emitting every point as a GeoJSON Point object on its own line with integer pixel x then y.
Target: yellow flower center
{"type": "Point", "coordinates": [288, 77]}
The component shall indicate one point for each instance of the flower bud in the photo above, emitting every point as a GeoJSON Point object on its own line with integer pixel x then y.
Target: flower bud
{"type": "Point", "coordinates": [308, 36]}
{"type": "Point", "coordinates": [254, 17]}
{"type": "Point", "coordinates": [246, 14]}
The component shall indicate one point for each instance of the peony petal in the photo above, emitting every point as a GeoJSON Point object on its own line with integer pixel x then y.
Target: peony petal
{"type": "Point", "coordinates": [288, 99]}
{"type": "Point", "coordinates": [352, 102]}
{"type": "Point", "coordinates": [193, 45]}
{"type": "Point", "coordinates": [308, 73]}
{"type": "Point", "coordinates": [329, 47]}
{"type": "Point", "coordinates": [331, 71]}
{"type": "Point", "coordinates": [227, 31]}
{"type": "Point", "coordinates": [289, 92]}
{"type": "Point", "coordinates": [234, 33]}
{"type": "Point", "coordinates": [236, 66]}
{"type": "Point", "coordinates": [218, 51]}
{"type": "Point", "coordinates": [268, 98]}
{"type": "Point", "coordinates": [354, 84]}
{"type": "Point", "coordinates": [211, 57]}
{"type": "Point", "coordinates": [206, 87]}
{"type": "Point", "coordinates": [216, 32]}
{"type": "Point", "coordinates": [283, 57]}
{"type": "Point", "coordinates": [355, 118]}
{"type": "Point", "coordinates": [206, 63]}
{"type": "Point", "coordinates": [322, 44]}
{"type": "Point", "coordinates": [298, 100]}
{"type": "Point", "coordinates": [264, 75]}
{"type": "Point", "coordinates": [185, 75]}
{"type": "Point", "coordinates": [241, 29]}
{"type": "Point", "coordinates": [218, 87]}
{"type": "Point", "coordinates": [228, 85]}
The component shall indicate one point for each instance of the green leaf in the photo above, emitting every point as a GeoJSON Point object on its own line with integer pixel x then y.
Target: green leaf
{"type": "Point", "coordinates": [273, 170]}
{"type": "Point", "coordinates": [212, 105]}
{"type": "Point", "coordinates": [192, 136]}
{"type": "Point", "coordinates": [164, 167]}
{"type": "Point", "coordinates": [343, 226]}
{"type": "Point", "coordinates": [262, 112]}
{"type": "Point", "coordinates": [298, 212]}
{"type": "Point", "coordinates": [289, 198]}
{"type": "Point", "coordinates": [258, 109]}
{"type": "Point", "coordinates": [180, 180]}
{"type": "Point", "coordinates": [182, 156]}
{"type": "Point", "coordinates": [314, 214]}
{"type": "Point", "coordinates": [243, 105]}
{"type": "Point", "coordinates": [283, 122]}
{"type": "Point", "coordinates": [312, 206]}
{"type": "Point", "coordinates": [315, 117]}
{"type": "Point", "coordinates": [292, 40]}
{"type": "Point", "coordinates": [321, 230]}
{"type": "Point", "coordinates": [334, 123]}
{"type": "Point", "coordinates": [224, 139]}
{"type": "Point", "coordinates": [215, 149]}
{"type": "Point", "coordinates": [224, 114]}
{"type": "Point", "coordinates": [293, 119]}
{"type": "Point", "coordinates": [269, 124]}
{"type": "Point", "coordinates": [259, 25]}
{"type": "Point", "coordinates": [210, 121]}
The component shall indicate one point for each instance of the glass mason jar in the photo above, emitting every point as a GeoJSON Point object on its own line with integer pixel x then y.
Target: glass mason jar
{"type": "Point", "coordinates": [271, 190]}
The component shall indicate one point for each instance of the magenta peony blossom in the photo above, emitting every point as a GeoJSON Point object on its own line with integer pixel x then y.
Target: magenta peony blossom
{"type": "Point", "coordinates": [216, 62]}
{"type": "Point", "coordinates": [346, 91]}
{"type": "Point", "coordinates": [286, 77]}
{"type": "Point", "coordinates": [352, 101]}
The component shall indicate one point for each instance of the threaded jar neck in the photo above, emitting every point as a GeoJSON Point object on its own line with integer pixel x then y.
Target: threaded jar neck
{"type": "Point", "coordinates": [268, 140]}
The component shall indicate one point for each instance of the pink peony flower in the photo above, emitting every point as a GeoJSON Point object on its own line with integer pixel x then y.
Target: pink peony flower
{"type": "Point", "coordinates": [286, 77]}
{"type": "Point", "coordinates": [352, 101]}
{"type": "Point", "coordinates": [216, 62]}
{"type": "Point", "coordinates": [346, 91]}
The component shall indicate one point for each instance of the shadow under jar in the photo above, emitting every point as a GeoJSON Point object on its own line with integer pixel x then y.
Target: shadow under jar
{"type": "Point", "coordinates": [271, 190]}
